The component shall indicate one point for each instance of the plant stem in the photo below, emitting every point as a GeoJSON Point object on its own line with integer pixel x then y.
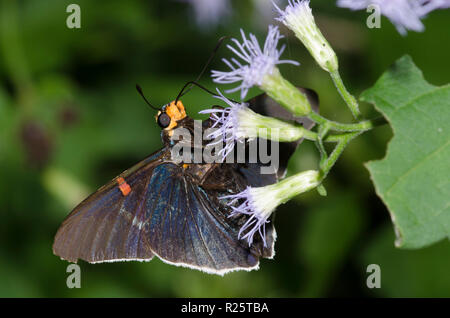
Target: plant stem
{"type": "Point", "coordinates": [313, 136]}
{"type": "Point", "coordinates": [333, 157]}
{"type": "Point", "coordinates": [361, 126]}
{"type": "Point", "coordinates": [323, 131]}
{"type": "Point", "coordinates": [349, 99]}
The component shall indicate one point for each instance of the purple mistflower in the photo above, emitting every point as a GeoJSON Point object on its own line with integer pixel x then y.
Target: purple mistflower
{"type": "Point", "coordinates": [426, 6]}
{"type": "Point", "coordinates": [257, 61]}
{"type": "Point", "coordinates": [404, 14]}
{"type": "Point", "coordinates": [258, 215]}
{"type": "Point", "coordinates": [298, 17]}
{"type": "Point", "coordinates": [209, 13]}
{"type": "Point", "coordinates": [226, 122]}
{"type": "Point", "coordinates": [260, 202]}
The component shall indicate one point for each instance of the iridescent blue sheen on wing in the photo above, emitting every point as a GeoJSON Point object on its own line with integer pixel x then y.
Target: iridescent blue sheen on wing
{"type": "Point", "coordinates": [187, 227]}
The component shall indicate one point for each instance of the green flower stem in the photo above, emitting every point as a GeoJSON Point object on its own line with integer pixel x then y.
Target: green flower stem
{"type": "Point", "coordinates": [286, 94]}
{"type": "Point", "coordinates": [349, 99]}
{"type": "Point", "coordinates": [339, 137]}
{"type": "Point", "coordinates": [361, 126]}
{"type": "Point", "coordinates": [323, 131]}
{"type": "Point", "coordinates": [344, 139]}
{"type": "Point", "coordinates": [287, 131]}
{"type": "Point", "coordinates": [288, 188]}
{"type": "Point", "coordinates": [291, 132]}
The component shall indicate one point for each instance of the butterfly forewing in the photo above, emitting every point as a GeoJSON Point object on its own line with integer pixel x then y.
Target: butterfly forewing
{"type": "Point", "coordinates": [103, 227]}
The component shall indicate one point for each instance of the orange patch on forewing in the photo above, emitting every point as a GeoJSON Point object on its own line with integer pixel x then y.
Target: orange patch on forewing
{"type": "Point", "coordinates": [176, 113]}
{"type": "Point", "coordinates": [124, 187]}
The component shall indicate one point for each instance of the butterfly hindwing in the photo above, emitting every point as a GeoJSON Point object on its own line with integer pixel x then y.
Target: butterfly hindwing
{"type": "Point", "coordinates": [188, 225]}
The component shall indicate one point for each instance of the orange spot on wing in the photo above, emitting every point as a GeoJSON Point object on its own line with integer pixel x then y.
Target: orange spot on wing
{"type": "Point", "coordinates": [124, 187]}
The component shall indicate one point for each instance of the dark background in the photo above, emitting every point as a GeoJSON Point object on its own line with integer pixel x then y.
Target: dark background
{"type": "Point", "coordinates": [71, 120]}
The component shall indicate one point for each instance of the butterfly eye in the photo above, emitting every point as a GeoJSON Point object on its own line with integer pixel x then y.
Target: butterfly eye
{"type": "Point", "coordinates": [163, 120]}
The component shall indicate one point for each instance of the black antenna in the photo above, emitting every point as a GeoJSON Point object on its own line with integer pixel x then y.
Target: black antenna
{"type": "Point", "coordinates": [202, 87]}
{"type": "Point", "coordinates": [196, 84]}
{"type": "Point", "coordinates": [185, 88]}
{"type": "Point", "coordinates": [139, 89]}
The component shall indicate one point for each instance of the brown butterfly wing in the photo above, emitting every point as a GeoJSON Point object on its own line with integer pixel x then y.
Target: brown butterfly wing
{"type": "Point", "coordinates": [105, 226]}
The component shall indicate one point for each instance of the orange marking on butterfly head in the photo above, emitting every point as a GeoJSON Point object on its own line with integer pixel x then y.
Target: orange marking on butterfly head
{"type": "Point", "coordinates": [175, 112]}
{"type": "Point", "coordinates": [124, 187]}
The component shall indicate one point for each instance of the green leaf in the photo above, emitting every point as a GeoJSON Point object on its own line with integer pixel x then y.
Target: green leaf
{"type": "Point", "coordinates": [413, 178]}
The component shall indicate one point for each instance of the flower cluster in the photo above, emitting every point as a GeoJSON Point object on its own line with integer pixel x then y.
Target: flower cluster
{"type": "Point", "coordinates": [404, 14]}
{"type": "Point", "coordinates": [254, 65]}
{"type": "Point", "coordinates": [258, 66]}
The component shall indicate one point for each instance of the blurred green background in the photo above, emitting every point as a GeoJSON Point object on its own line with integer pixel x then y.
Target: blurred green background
{"type": "Point", "coordinates": [71, 120]}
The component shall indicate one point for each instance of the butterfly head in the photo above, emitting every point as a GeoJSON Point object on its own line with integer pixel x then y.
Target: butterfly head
{"type": "Point", "coordinates": [170, 114]}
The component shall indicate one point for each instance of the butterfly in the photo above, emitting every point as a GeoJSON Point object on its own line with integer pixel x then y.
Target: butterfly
{"type": "Point", "coordinates": [174, 211]}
